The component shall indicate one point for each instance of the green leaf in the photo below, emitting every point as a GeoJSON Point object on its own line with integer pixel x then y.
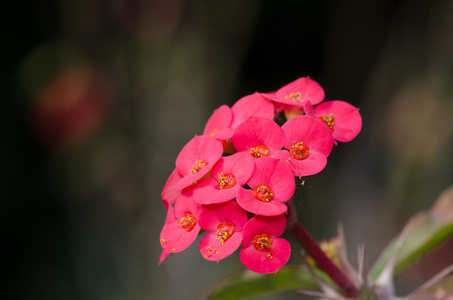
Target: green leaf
{"type": "Point", "coordinates": [430, 229]}
{"type": "Point", "coordinates": [247, 283]}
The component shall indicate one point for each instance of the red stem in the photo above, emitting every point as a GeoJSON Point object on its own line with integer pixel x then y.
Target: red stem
{"type": "Point", "coordinates": [323, 262]}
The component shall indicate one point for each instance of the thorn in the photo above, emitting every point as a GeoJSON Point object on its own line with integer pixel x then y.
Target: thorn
{"type": "Point", "coordinates": [363, 267]}
{"type": "Point", "coordinates": [384, 283]}
{"type": "Point", "coordinates": [343, 253]}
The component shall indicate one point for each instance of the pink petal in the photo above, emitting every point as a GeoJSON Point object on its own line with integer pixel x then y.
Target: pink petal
{"type": "Point", "coordinates": [282, 182]}
{"type": "Point", "coordinates": [248, 202]}
{"type": "Point", "coordinates": [185, 207]}
{"type": "Point", "coordinates": [252, 105]}
{"type": "Point", "coordinates": [209, 193]}
{"type": "Point", "coordinates": [348, 121]}
{"type": "Point", "coordinates": [313, 164]}
{"type": "Point", "coordinates": [201, 148]}
{"type": "Point", "coordinates": [170, 218]}
{"type": "Point", "coordinates": [264, 168]}
{"type": "Point", "coordinates": [309, 109]}
{"type": "Point", "coordinates": [212, 249]}
{"type": "Point", "coordinates": [170, 192]}
{"type": "Point", "coordinates": [265, 262]}
{"type": "Point", "coordinates": [186, 194]}
{"type": "Point", "coordinates": [258, 131]}
{"type": "Point", "coordinates": [163, 256]}
{"type": "Point", "coordinates": [219, 120]}
{"type": "Point", "coordinates": [224, 134]}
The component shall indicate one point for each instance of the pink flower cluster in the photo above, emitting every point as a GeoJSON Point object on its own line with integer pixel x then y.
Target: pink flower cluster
{"type": "Point", "coordinates": [233, 181]}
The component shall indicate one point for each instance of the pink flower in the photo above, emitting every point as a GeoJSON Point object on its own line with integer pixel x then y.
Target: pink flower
{"type": "Point", "coordinates": [196, 159]}
{"type": "Point", "coordinates": [309, 142]}
{"type": "Point", "coordinates": [258, 136]}
{"type": "Point", "coordinates": [224, 222]}
{"type": "Point", "coordinates": [252, 105]}
{"type": "Point", "coordinates": [181, 226]}
{"type": "Point", "coordinates": [343, 119]}
{"type": "Point", "coordinates": [272, 183]}
{"type": "Point", "coordinates": [298, 92]}
{"type": "Point", "coordinates": [263, 251]}
{"type": "Point", "coordinates": [228, 175]}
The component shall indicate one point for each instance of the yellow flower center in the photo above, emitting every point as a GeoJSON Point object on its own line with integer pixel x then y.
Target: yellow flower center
{"type": "Point", "coordinates": [263, 193]}
{"type": "Point", "coordinates": [199, 164]}
{"type": "Point", "coordinates": [224, 231]}
{"type": "Point", "coordinates": [188, 222]}
{"type": "Point", "coordinates": [299, 151]}
{"type": "Point", "coordinates": [259, 151]}
{"type": "Point", "coordinates": [226, 181]}
{"type": "Point", "coordinates": [262, 242]}
{"type": "Point", "coordinates": [329, 120]}
{"type": "Point", "coordinates": [294, 97]}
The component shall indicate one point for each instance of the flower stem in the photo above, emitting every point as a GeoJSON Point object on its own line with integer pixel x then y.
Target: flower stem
{"type": "Point", "coordinates": [313, 249]}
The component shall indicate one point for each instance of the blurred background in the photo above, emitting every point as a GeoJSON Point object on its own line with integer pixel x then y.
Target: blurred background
{"type": "Point", "coordinates": [98, 98]}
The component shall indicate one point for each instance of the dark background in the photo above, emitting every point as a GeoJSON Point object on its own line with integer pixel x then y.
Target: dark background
{"type": "Point", "coordinates": [80, 196]}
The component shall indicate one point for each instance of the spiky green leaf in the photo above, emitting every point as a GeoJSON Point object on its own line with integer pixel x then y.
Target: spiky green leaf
{"type": "Point", "coordinates": [430, 229]}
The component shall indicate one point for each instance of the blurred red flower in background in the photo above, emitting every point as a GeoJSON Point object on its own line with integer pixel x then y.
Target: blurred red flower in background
{"type": "Point", "coordinates": [71, 106]}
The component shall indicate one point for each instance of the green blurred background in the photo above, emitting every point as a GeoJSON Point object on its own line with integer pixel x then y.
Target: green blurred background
{"type": "Point", "coordinates": [98, 97]}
